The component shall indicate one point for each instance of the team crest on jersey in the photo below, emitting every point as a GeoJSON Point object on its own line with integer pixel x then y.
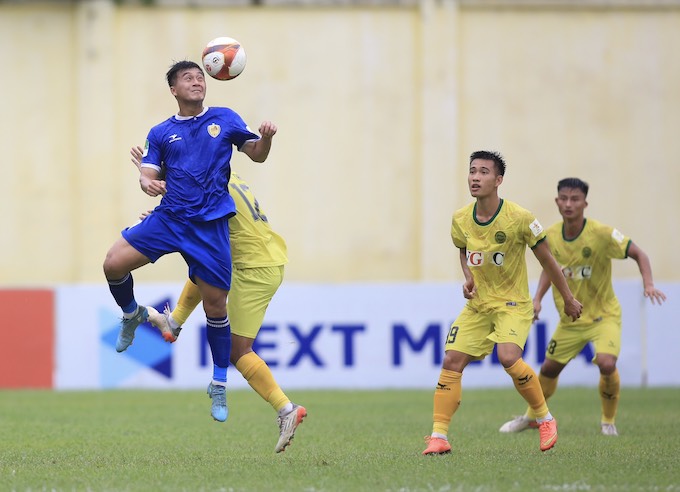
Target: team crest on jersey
{"type": "Point", "coordinates": [586, 252]}
{"type": "Point", "coordinates": [536, 228]}
{"type": "Point", "coordinates": [214, 130]}
{"type": "Point", "coordinates": [500, 237]}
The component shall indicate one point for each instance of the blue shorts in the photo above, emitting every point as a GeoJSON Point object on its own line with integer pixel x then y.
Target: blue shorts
{"type": "Point", "coordinates": [204, 245]}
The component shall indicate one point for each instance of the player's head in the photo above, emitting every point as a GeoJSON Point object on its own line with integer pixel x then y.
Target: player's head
{"type": "Point", "coordinates": [571, 198]}
{"type": "Point", "coordinates": [486, 173]}
{"type": "Point", "coordinates": [573, 183]}
{"type": "Point", "coordinates": [495, 157]}
{"type": "Point", "coordinates": [180, 66]}
{"type": "Point", "coordinates": [187, 82]}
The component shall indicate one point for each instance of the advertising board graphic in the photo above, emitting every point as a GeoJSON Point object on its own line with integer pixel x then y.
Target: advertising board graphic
{"type": "Point", "coordinates": [350, 336]}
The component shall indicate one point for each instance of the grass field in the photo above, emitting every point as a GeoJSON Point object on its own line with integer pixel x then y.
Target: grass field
{"type": "Point", "coordinates": [351, 441]}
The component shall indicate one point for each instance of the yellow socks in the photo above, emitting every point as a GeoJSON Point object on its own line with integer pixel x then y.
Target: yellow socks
{"type": "Point", "coordinates": [527, 384]}
{"type": "Point", "coordinates": [549, 386]}
{"type": "Point", "coordinates": [446, 400]}
{"type": "Point", "coordinates": [610, 387]}
{"type": "Point", "coordinates": [187, 302]}
{"type": "Point", "coordinates": [261, 379]}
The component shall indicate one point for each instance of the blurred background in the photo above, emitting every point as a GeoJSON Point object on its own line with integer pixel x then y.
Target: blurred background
{"type": "Point", "coordinates": [378, 104]}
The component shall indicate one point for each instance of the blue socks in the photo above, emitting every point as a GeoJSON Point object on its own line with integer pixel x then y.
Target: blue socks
{"type": "Point", "coordinates": [219, 339]}
{"type": "Point", "coordinates": [122, 291]}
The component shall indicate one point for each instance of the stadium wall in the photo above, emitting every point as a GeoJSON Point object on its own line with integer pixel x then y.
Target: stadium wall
{"type": "Point", "coordinates": [353, 336]}
{"type": "Point", "coordinates": [377, 116]}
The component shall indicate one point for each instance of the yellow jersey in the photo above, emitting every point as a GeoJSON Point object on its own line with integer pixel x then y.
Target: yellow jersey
{"type": "Point", "coordinates": [496, 252]}
{"type": "Point", "coordinates": [587, 266]}
{"type": "Point", "coordinates": [253, 241]}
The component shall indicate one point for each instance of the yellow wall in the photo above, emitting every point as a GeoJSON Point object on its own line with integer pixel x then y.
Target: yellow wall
{"type": "Point", "coordinates": [377, 109]}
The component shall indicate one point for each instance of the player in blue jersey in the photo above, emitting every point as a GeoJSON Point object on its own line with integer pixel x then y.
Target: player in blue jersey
{"type": "Point", "coordinates": [194, 147]}
{"type": "Point", "coordinates": [258, 257]}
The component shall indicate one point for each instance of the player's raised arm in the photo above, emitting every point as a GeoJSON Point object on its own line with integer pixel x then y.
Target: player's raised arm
{"type": "Point", "coordinates": [572, 307]}
{"type": "Point", "coordinates": [258, 150]}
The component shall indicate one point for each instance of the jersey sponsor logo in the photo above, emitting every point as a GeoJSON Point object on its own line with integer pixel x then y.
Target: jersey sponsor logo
{"type": "Point", "coordinates": [146, 148]}
{"type": "Point", "coordinates": [618, 236]}
{"type": "Point", "coordinates": [578, 272]}
{"type": "Point", "coordinates": [174, 138]}
{"type": "Point", "coordinates": [500, 237]}
{"type": "Point", "coordinates": [214, 130]}
{"type": "Point", "coordinates": [536, 228]}
{"type": "Point", "coordinates": [475, 258]}
{"type": "Point", "coordinates": [586, 252]}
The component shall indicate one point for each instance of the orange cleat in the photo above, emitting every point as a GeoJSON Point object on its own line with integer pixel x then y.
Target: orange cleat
{"type": "Point", "coordinates": [548, 433]}
{"type": "Point", "coordinates": [436, 445]}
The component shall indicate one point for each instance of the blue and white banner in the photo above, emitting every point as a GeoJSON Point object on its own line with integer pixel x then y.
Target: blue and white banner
{"type": "Point", "coordinates": [349, 336]}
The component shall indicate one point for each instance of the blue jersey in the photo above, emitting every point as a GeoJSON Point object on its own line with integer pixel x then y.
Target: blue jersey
{"type": "Point", "coordinates": [195, 153]}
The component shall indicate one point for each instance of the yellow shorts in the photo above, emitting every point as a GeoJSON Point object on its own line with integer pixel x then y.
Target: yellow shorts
{"type": "Point", "coordinates": [568, 340]}
{"type": "Point", "coordinates": [475, 333]}
{"type": "Point", "coordinates": [251, 291]}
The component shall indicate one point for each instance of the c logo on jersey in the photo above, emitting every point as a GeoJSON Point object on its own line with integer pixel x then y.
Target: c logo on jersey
{"type": "Point", "coordinates": [586, 252]}
{"type": "Point", "coordinates": [475, 258]}
{"type": "Point", "coordinates": [500, 237]}
{"type": "Point", "coordinates": [578, 272]}
{"type": "Point", "coordinates": [214, 130]}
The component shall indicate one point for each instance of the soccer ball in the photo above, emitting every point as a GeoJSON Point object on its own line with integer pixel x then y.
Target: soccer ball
{"type": "Point", "coordinates": [224, 58]}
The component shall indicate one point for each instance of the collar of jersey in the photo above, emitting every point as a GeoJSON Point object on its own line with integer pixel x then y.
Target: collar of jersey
{"type": "Point", "coordinates": [184, 118]}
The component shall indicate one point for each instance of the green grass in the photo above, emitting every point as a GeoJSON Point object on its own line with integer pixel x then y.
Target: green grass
{"type": "Point", "coordinates": [351, 441]}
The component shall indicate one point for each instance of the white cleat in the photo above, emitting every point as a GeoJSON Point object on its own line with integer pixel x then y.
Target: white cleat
{"type": "Point", "coordinates": [609, 429]}
{"type": "Point", "coordinates": [518, 424]}
{"type": "Point", "coordinates": [160, 321]}
{"type": "Point", "coordinates": [287, 426]}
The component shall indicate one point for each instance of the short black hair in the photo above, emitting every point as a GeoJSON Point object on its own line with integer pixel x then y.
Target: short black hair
{"type": "Point", "coordinates": [488, 155]}
{"type": "Point", "coordinates": [573, 183]}
{"type": "Point", "coordinates": [177, 67]}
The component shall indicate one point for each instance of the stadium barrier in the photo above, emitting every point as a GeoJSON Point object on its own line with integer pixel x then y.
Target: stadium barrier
{"type": "Point", "coordinates": [347, 336]}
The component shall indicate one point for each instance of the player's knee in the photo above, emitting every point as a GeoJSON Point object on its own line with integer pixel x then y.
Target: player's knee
{"type": "Point", "coordinates": [550, 369]}
{"type": "Point", "coordinates": [508, 354]}
{"type": "Point", "coordinates": [214, 302]}
{"type": "Point", "coordinates": [111, 267]}
{"type": "Point", "coordinates": [607, 365]}
{"type": "Point", "coordinates": [455, 361]}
